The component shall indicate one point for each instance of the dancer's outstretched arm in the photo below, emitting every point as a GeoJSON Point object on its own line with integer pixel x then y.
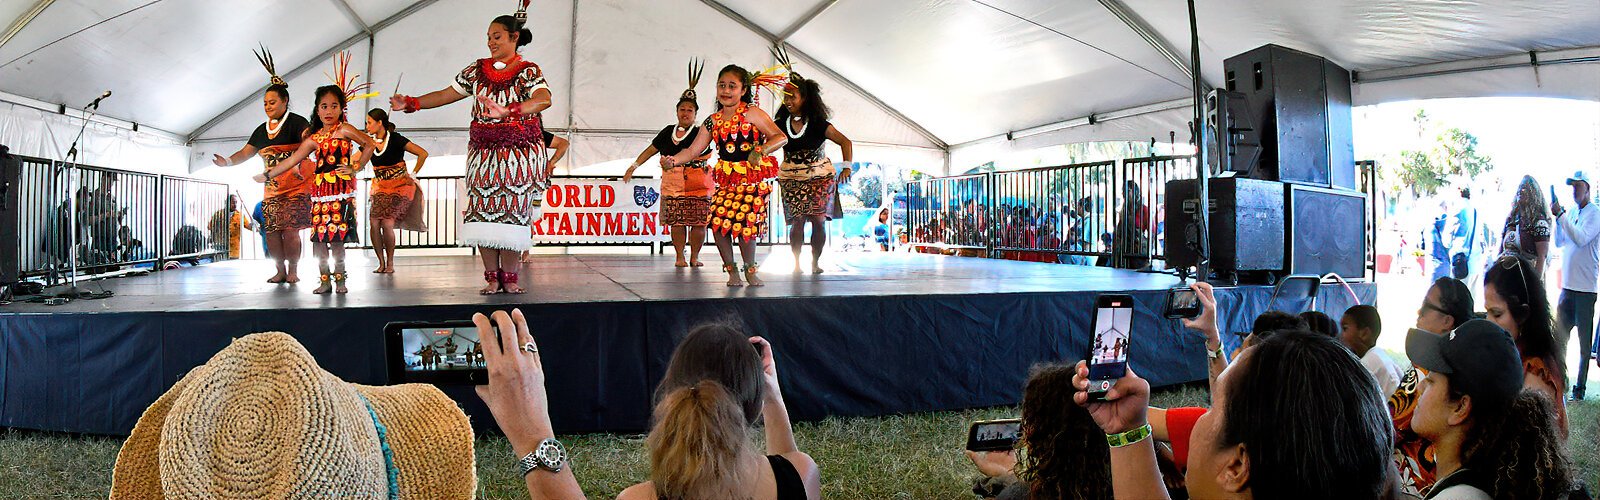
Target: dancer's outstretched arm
{"type": "Point", "coordinates": [648, 152]}
{"type": "Point", "coordinates": [441, 97]}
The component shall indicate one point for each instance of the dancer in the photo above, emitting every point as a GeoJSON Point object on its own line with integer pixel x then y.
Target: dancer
{"type": "Point", "coordinates": [506, 174]}
{"type": "Point", "coordinates": [286, 201]}
{"type": "Point", "coordinates": [745, 135]}
{"type": "Point", "coordinates": [807, 177]}
{"type": "Point", "coordinates": [393, 189]}
{"type": "Point", "coordinates": [333, 189]}
{"type": "Point", "coordinates": [685, 190]}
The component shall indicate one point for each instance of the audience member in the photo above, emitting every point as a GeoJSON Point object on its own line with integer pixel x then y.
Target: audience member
{"type": "Point", "coordinates": [262, 420]}
{"type": "Point", "coordinates": [1493, 440]}
{"type": "Point", "coordinates": [517, 398]}
{"type": "Point", "coordinates": [1576, 235]}
{"type": "Point", "coordinates": [1527, 230]}
{"type": "Point", "coordinates": [1271, 435]}
{"type": "Point", "coordinates": [1065, 452]}
{"type": "Point", "coordinates": [1359, 330]}
{"type": "Point", "coordinates": [1320, 322]}
{"type": "Point", "coordinates": [1462, 231]}
{"type": "Point", "coordinates": [716, 384]}
{"type": "Point", "coordinates": [1517, 302]}
{"type": "Point", "coordinates": [1447, 305]}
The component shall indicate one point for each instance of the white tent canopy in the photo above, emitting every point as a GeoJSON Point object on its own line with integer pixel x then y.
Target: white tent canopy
{"type": "Point", "coordinates": [929, 83]}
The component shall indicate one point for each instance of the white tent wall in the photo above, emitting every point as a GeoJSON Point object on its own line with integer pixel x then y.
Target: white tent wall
{"type": "Point", "coordinates": [45, 134]}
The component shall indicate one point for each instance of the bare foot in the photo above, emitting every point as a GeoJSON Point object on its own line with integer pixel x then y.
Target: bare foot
{"type": "Point", "coordinates": [750, 275]}
{"type": "Point", "coordinates": [276, 278]}
{"type": "Point", "coordinates": [291, 278]}
{"type": "Point", "coordinates": [379, 270]}
{"type": "Point", "coordinates": [680, 263]}
{"type": "Point", "coordinates": [733, 275]}
{"type": "Point", "coordinates": [490, 289]}
{"type": "Point", "coordinates": [515, 289]}
{"type": "Point", "coordinates": [340, 288]}
{"type": "Point", "coordinates": [816, 267]}
{"type": "Point", "coordinates": [325, 287]}
{"type": "Point", "coordinates": [696, 263]}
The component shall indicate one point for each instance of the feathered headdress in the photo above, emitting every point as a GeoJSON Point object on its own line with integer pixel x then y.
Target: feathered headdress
{"type": "Point", "coordinates": [697, 68]}
{"type": "Point", "coordinates": [522, 12]}
{"type": "Point", "coordinates": [347, 82]}
{"type": "Point", "coordinates": [774, 79]}
{"type": "Point", "coordinates": [265, 56]}
{"type": "Point", "coordinates": [782, 56]}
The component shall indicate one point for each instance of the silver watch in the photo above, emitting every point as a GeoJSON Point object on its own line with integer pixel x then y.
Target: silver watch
{"type": "Point", "coordinates": [549, 455]}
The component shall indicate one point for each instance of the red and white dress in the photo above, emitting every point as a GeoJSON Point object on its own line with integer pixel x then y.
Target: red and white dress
{"type": "Point", "coordinates": [506, 176]}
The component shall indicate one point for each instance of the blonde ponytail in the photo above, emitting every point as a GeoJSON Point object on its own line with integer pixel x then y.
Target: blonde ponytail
{"type": "Point", "coordinates": [700, 446]}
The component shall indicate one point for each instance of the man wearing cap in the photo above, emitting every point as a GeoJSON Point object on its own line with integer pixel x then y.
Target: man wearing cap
{"type": "Point", "coordinates": [1576, 236]}
{"type": "Point", "coordinates": [1473, 371]}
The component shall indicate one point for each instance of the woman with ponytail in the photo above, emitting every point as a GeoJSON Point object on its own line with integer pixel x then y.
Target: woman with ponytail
{"type": "Point", "coordinates": [393, 188]}
{"type": "Point", "coordinates": [506, 159]}
{"type": "Point", "coordinates": [716, 385]}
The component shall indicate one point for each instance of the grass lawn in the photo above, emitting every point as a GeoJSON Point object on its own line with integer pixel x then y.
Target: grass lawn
{"type": "Point", "coordinates": [906, 456]}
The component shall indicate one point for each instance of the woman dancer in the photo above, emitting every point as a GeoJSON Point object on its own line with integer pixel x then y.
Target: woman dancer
{"type": "Point", "coordinates": [506, 175]}
{"type": "Point", "coordinates": [393, 189]}
{"type": "Point", "coordinates": [333, 186]}
{"type": "Point", "coordinates": [807, 177]}
{"type": "Point", "coordinates": [745, 135]}
{"type": "Point", "coordinates": [286, 204]}
{"type": "Point", "coordinates": [685, 190]}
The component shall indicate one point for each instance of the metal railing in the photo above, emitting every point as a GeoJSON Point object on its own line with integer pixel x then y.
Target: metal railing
{"type": "Point", "coordinates": [121, 218]}
{"type": "Point", "coordinates": [442, 204]}
{"type": "Point", "coordinates": [1104, 210]}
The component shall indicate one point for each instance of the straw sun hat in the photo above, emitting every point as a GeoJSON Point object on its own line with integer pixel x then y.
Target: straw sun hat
{"type": "Point", "coordinates": [262, 420]}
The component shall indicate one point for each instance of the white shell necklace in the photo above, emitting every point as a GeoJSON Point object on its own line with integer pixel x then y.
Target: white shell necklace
{"type": "Point", "coordinates": [273, 131]}
{"type": "Point", "coordinates": [676, 137]}
{"type": "Point", "coordinates": [383, 144]}
{"type": "Point", "coordinates": [789, 128]}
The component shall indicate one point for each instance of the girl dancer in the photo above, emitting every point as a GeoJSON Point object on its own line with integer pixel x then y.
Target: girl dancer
{"type": "Point", "coordinates": [807, 177]}
{"type": "Point", "coordinates": [744, 135]}
{"type": "Point", "coordinates": [685, 190]}
{"type": "Point", "coordinates": [393, 189]}
{"type": "Point", "coordinates": [333, 185]}
{"type": "Point", "coordinates": [286, 204]}
{"type": "Point", "coordinates": [506, 175]}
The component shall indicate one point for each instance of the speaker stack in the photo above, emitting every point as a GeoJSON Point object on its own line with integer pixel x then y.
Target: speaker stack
{"type": "Point", "coordinates": [1282, 119]}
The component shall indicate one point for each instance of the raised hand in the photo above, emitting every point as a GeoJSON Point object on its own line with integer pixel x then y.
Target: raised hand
{"type": "Point", "coordinates": [516, 393]}
{"type": "Point", "coordinates": [1126, 404]}
{"type": "Point", "coordinates": [1206, 322]}
{"type": "Point", "coordinates": [493, 109]}
{"type": "Point", "coordinates": [397, 102]}
{"type": "Point", "coordinates": [218, 160]}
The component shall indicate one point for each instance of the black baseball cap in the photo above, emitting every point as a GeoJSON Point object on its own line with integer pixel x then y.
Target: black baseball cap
{"type": "Point", "coordinates": [1479, 357]}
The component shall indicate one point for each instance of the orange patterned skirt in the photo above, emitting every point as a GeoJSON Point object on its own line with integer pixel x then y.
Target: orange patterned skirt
{"type": "Point", "coordinates": [392, 192]}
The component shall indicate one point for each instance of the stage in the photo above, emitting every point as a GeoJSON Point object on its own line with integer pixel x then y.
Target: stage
{"type": "Point", "coordinates": [880, 333]}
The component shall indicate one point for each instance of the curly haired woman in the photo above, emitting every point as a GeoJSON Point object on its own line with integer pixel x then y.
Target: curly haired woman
{"type": "Point", "coordinates": [1067, 454]}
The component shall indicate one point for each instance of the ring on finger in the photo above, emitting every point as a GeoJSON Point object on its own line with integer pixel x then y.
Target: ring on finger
{"type": "Point", "coordinates": [530, 348]}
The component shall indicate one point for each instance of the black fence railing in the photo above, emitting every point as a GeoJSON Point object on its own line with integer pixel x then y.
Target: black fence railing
{"type": "Point", "coordinates": [442, 200]}
{"type": "Point", "coordinates": [120, 218]}
{"type": "Point", "coordinates": [1088, 212]}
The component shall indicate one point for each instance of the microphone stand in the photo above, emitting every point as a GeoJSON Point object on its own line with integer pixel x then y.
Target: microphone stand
{"type": "Point", "coordinates": [69, 167]}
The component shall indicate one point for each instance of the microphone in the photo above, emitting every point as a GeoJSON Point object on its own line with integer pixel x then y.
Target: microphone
{"type": "Point", "coordinates": [96, 103]}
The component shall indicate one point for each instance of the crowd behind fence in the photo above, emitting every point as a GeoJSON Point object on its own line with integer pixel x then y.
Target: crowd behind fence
{"type": "Point", "coordinates": [118, 218]}
{"type": "Point", "coordinates": [1106, 212]}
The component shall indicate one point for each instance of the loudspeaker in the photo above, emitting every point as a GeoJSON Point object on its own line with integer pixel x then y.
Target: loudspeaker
{"type": "Point", "coordinates": [1230, 124]}
{"type": "Point", "coordinates": [1247, 224]}
{"type": "Point", "coordinates": [1300, 104]}
{"type": "Point", "coordinates": [1329, 231]}
{"type": "Point", "coordinates": [10, 168]}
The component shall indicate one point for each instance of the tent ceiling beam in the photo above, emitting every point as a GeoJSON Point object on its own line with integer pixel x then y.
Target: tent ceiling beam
{"type": "Point", "coordinates": [1086, 120]}
{"type": "Point", "coordinates": [1150, 36]}
{"type": "Point", "coordinates": [313, 62]}
{"type": "Point", "coordinates": [806, 19]}
{"type": "Point", "coordinates": [354, 17]}
{"type": "Point", "coordinates": [846, 82]}
{"type": "Point", "coordinates": [574, 131]}
{"type": "Point", "coordinates": [23, 20]}
{"type": "Point", "coordinates": [1532, 59]}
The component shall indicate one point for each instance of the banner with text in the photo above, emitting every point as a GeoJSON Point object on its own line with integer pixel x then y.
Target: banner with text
{"type": "Point", "coordinates": [580, 211]}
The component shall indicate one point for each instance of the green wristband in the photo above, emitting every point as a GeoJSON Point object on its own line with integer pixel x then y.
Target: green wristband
{"type": "Point", "coordinates": [1127, 438]}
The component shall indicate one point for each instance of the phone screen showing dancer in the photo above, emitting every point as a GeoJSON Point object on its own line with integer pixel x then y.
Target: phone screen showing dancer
{"type": "Point", "coordinates": [994, 435]}
{"type": "Point", "coordinates": [444, 352]}
{"type": "Point", "coordinates": [1108, 356]}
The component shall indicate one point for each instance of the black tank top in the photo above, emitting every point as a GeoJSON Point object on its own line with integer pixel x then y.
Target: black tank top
{"type": "Point", "coordinates": [790, 486]}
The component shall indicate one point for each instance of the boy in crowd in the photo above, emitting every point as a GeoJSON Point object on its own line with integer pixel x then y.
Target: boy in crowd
{"type": "Point", "coordinates": [1358, 331]}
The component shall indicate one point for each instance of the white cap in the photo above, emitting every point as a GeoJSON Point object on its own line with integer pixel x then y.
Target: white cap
{"type": "Point", "coordinates": [1579, 176]}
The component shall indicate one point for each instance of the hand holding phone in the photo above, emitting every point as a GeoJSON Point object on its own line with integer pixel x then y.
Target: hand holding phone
{"type": "Point", "coordinates": [1182, 303]}
{"type": "Point", "coordinates": [437, 352]}
{"type": "Point", "coordinates": [1108, 350]}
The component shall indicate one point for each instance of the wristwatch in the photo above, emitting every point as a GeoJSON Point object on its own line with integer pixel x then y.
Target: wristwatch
{"type": "Point", "coordinates": [1214, 353]}
{"type": "Point", "coordinates": [549, 455]}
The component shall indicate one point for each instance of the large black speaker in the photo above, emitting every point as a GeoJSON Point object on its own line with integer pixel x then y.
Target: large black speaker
{"type": "Point", "coordinates": [1329, 228]}
{"type": "Point", "coordinates": [10, 167]}
{"type": "Point", "coordinates": [1247, 225]}
{"type": "Point", "coordinates": [1301, 107]}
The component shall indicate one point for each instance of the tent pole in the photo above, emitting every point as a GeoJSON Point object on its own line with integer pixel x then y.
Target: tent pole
{"type": "Point", "coordinates": [23, 20]}
{"type": "Point", "coordinates": [1202, 168]}
{"type": "Point", "coordinates": [572, 86]}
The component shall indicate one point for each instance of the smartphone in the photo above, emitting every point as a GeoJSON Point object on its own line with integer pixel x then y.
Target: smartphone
{"type": "Point", "coordinates": [437, 352]}
{"type": "Point", "coordinates": [994, 435]}
{"type": "Point", "coordinates": [1182, 302]}
{"type": "Point", "coordinates": [1108, 355]}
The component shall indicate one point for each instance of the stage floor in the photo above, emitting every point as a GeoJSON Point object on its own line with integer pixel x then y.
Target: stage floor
{"type": "Point", "coordinates": [559, 279]}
